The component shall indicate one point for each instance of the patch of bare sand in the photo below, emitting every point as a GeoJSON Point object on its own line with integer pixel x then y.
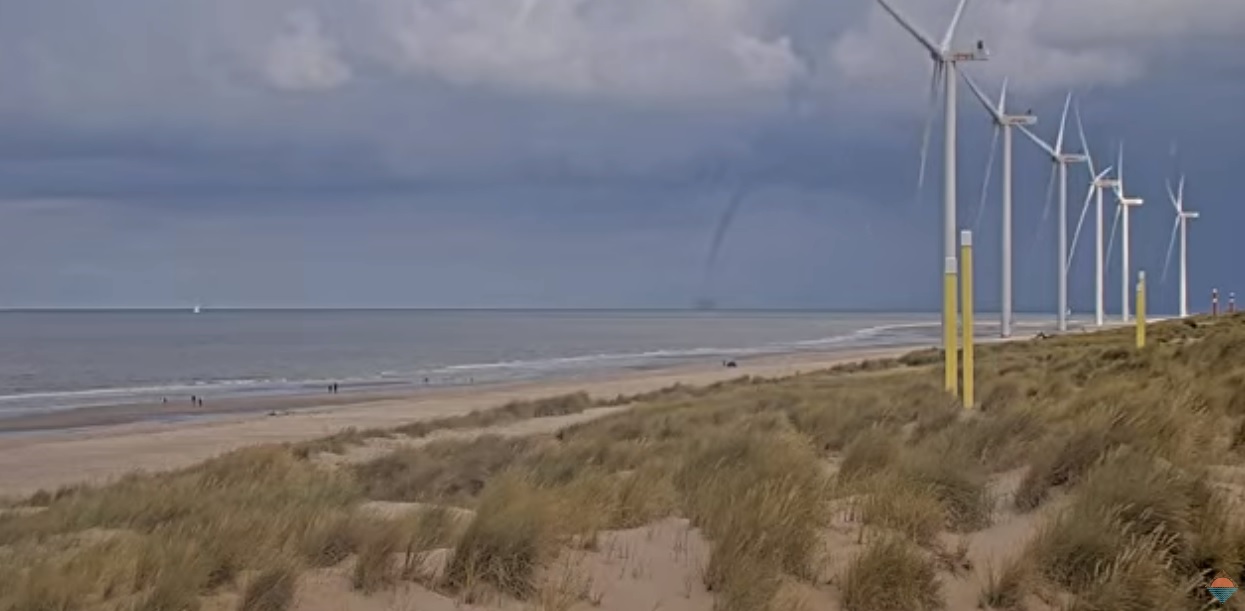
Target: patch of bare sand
{"type": "Point", "coordinates": [652, 567]}
{"type": "Point", "coordinates": [990, 549]}
{"type": "Point", "coordinates": [28, 463]}
{"type": "Point", "coordinates": [659, 566]}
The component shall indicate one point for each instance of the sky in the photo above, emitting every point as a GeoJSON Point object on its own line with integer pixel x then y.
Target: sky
{"type": "Point", "coordinates": [578, 153]}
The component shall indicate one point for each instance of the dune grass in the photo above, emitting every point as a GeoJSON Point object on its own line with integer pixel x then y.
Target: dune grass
{"type": "Point", "coordinates": [1116, 446]}
{"type": "Point", "coordinates": [891, 574]}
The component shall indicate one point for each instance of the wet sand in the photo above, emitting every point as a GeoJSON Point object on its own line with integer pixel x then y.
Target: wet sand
{"type": "Point", "coordinates": [97, 444]}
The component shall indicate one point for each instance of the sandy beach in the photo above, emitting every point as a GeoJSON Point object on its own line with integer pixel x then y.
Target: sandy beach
{"type": "Point", "coordinates": [98, 444]}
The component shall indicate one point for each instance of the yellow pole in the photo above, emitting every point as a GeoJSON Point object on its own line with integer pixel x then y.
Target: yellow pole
{"type": "Point", "coordinates": [1141, 310]}
{"type": "Point", "coordinates": [966, 305]}
{"type": "Point", "coordinates": [951, 371]}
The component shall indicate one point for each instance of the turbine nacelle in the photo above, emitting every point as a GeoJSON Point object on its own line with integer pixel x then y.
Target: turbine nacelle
{"type": "Point", "coordinates": [1131, 201]}
{"type": "Point", "coordinates": [976, 55]}
{"type": "Point", "coordinates": [1015, 120]}
{"type": "Point", "coordinates": [1190, 215]}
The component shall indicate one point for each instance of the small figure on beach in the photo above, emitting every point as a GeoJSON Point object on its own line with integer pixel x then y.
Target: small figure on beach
{"type": "Point", "coordinates": [200, 401]}
{"type": "Point", "coordinates": [731, 364]}
{"type": "Point", "coordinates": [425, 380]}
{"type": "Point", "coordinates": [335, 387]}
{"type": "Point", "coordinates": [194, 400]}
{"type": "Point", "coordinates": [164, 400]}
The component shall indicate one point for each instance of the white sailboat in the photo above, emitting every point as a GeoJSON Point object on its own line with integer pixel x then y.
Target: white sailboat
{"type": "Point", "coordinates": [198, 308]}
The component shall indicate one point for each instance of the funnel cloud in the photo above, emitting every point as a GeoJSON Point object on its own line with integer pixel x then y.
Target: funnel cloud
{"type": "Point", "coordinates": [737, 197]}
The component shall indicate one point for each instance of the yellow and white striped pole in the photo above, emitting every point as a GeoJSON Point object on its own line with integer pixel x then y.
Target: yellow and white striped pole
{"type": "Point", "coordinates": [966, 306]}
{"type": "Point", "coordinates": [1141, 310]}
{"type": "Point", "coordinates": [951, 367]}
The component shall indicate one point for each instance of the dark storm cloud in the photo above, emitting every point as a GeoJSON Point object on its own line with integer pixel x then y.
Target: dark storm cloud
{"type": "Point", "coordinates": [566, 152]}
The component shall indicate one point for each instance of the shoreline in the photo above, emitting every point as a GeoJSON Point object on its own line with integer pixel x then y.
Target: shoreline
{"type": "Point", "coordinates": [47, 459]}
{"type": "Point", "coordinates": [180, 411]}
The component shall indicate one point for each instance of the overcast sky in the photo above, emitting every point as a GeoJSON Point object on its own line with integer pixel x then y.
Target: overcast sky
{"type": "Point", "coordinates": [493, 153]}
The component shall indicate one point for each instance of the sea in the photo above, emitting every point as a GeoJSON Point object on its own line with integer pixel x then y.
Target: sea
{"type": "Point", "coordinates": [59, 360]}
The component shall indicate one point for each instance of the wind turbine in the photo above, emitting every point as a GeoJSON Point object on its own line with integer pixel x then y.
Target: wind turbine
{"type": "Point", "coordinates": [1182, 219]}
{"type": "Point", "coordinates": [1098, 182]}
{"type": "Point", "coordinates": [1005, 122]}
{"type": "Point", "coordinates": [944, 65]}
{"type": "Point", "coordinates": [1061, 161]}
{"type": "Point", "coordinates": [1121, 212]}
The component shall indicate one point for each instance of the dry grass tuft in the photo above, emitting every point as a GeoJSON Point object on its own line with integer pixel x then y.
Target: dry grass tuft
{"type": "Point", "coordinates": [901, 505]}
{"type": "Point", "coordinates": [1006, 588]}
{"type": "Point", "coordinates": [957, 482]}
{"type": "Point", "coordinates": [1063, 461]}
{"type": "Point", "coordinates": [1130, 508]}
{"type": "Point", "coordinates": [873, 450]}
{"type": "Point", "coordinates": [187, 532]}
{"type": "Point", "coordinates": [446, 471]}
{"type": "Point", "coordinates": [270, 590]}
{"type": "Point", "coordinates": [330, 539]}
{"type": "Point", "coordinates": [378, 542]}
{"type": "Point", "coordinates": [761, 499]}
{"type": "Point", "coordinates": [513, 411]}
{"type": "Point", "coordinates": [511, 535]}
{"type": "Point", "coordinates": [890, 574]}
{"type": "Point", "coordinates": [1137, 578]}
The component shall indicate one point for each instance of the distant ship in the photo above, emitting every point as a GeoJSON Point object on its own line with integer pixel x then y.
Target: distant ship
{"type": "Point", "coordinates": [198, 308]}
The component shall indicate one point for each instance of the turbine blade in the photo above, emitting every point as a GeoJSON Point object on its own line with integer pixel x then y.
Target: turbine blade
{"type": "Point", "coordinates": [1063, 121]}
{"type": "Point", "coordinates": [1038, 141]}
{"type": "Point", "coordinates": [1115, 224]}
{"type": "Point", "coordinates": [1080, 128]}
{"type": "Point", "coordinates": [985, 184]}
{"type": "Point", "coordinates": [925, 41]}
{"type": "Point", "coordinates": [955, 23]}
{"type": "Point", "coordinates": [1003, 97]}
{"type": "Point", "coordinates": [1089, 196]}
{"type": "Point", "coordinates": [929, 120]}
{"type": "Point", "coordinates": [1170, 246]}
{"type": "Point", "coordinates": [1171, 196]}
{"type": "Point", "coordinates": [1050, 190]}
{"type": "Point", "coordinates": [995, 113]}
{"type": "Point", "coordinates": [1180, 193]}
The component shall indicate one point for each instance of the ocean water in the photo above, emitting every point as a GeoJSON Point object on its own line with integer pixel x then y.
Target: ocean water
{"type": "Point", "coordinates": [70, 359]}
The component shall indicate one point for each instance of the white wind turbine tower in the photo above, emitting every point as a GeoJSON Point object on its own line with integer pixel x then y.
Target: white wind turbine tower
{"type": "Point", "coordinates": [1121, 212]}
{"type": "Point", "coordinates": [1182, 219]}
{"type": "Point", "coordinates": [1098, 182]}
{"type": "Point", "coordinates": [1061, 161]}
{"type": "Point", "coordinates": [1005, 122]}
{"type": "Point", "coordinates": [944, 65]}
